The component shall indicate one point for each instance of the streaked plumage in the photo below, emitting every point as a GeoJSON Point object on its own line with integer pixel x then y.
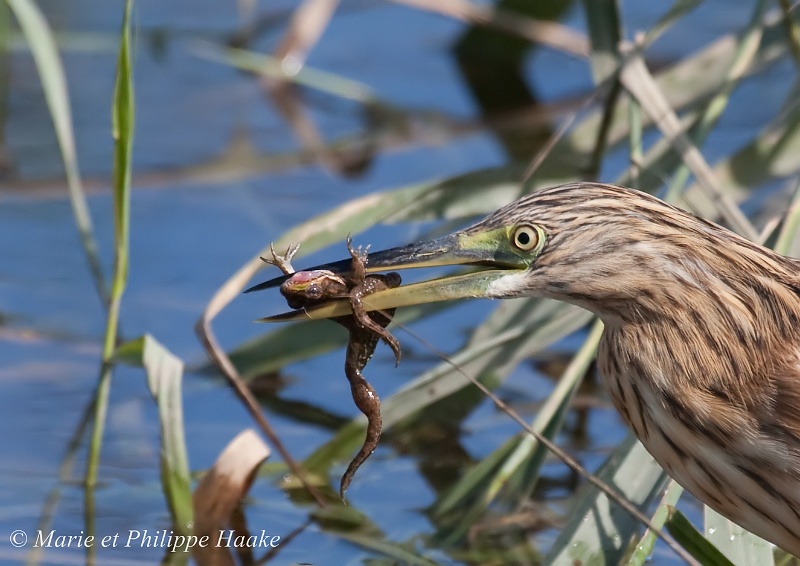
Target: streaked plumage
{"type": "Point", "coordinates": [701, 348]}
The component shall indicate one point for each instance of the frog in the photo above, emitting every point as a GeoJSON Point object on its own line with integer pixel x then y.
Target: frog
{"type": "Point", "coordinates": [308, 288]}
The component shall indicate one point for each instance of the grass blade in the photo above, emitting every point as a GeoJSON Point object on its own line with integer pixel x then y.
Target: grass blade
{"type": "Point", "coordinates": [738, 545]}
{"type": "Point", "coordinates": [164, 376]}
{"type": "Point", "coordinates": [604, 31]}
{"type": "Point", "coordinates": [54, 84]}
{"type": "Point", "coordinates": [705, 552]}
{"type": "Point", "coordinates": [600, 531]}
{"type": "Point", "coordinates": [640, 83]}
{"type": "Point", "coordinates": [645, 547]}
{"type": "Point", "coordinates": [122, 123]}
{"type": "Point", "coordinates": [301, 341]}
{"type": "Point", "coordinates": [745, 55]}
{"type": "Point", "coordinates": [528, 326]}
{"type": "Point", "coordinates": [791, 224]}
{"type": "Point", "coordinates": [517, 468]}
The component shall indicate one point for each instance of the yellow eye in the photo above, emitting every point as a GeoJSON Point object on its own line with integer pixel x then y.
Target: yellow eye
{"type": "Point", "coordinates": [526, 237]}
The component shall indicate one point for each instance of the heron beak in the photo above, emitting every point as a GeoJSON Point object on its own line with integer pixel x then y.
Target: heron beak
{"type": "Point", "coordinates": [488, 250]}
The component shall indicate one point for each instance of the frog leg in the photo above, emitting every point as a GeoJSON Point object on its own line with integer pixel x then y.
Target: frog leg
{"type": "Point", "coordinates": [282, 262]}
{"type": "Point", "coordinates": [358, 267]}
{"type": "Point", "coordinates": [358, 273]}
{"type": "Point", "coordinates": [365, 398]}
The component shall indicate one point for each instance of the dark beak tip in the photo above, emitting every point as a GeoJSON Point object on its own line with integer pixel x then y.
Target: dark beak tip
{"type": "Point", "coordinates": [258, 287]}
{"type": "Point", "coordinates": [269, 284]}
{"type": "Point", "coordinates": [392, 258]}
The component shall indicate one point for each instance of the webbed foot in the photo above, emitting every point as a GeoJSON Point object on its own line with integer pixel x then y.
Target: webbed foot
{"type": "Point", "coordinates": [282, 262]}
{"type": "Point", "coordinates": [358, 270]}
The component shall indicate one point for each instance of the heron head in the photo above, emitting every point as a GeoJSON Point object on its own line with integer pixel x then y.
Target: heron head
{"type": "Point", "coordinates": [609, 249]}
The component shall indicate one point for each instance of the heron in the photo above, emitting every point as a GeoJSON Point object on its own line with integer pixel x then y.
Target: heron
{"type": "Point", "coordinates": [700, 352]}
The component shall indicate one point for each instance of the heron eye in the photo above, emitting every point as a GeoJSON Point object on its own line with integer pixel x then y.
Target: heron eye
{"type": "Point", "coordinates": [526, 238]}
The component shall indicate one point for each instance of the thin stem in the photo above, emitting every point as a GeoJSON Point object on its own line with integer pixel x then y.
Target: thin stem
{"type": "Point", "coordinates": [560, 454]}
{"type": "Point", "coordinates": [122, 118]}
{"type": "Point", "coordinates": [635, 141]}
{"type": "Point", "coordinates": [605, 126]}
{"type": "Point", "coordinates": [223, 362]}
{"type": "Point", "coordinates": [745, 53]}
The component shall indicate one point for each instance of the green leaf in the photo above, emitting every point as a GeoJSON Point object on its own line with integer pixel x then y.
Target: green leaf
{"type": "Point", "coordinates": [122, 121]}
{"type": "Point", "coordinates": [122, 124]}
{"type": "Point", "coordinates": [604, 31]}
{"type": "Point", "coordinates": [514, 468]}
{"type": "Point", "coordinates": [397, 552]}
{"type": "Point", "coordinates": [515, 331]}
{"type": "Point", "coordinates": [688, 537]}
{"type": "Point", "coordinates": [600, 531]}
{"type": "Point", "coordinates": [353, 526]}
{"type": "Point", "coordinates": [739, 545]}
{"type": "Point", "coordinates": [164, 375]}
{"type": "Point", "coordinates": [303, 340]}
{"type": "Point", "coordinates": [645, 547]}
{"type": "Point", "coordinates": [54, 84]}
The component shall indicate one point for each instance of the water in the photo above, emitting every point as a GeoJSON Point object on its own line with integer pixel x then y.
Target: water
{"type": "Point", "coordinates": [200, 209]}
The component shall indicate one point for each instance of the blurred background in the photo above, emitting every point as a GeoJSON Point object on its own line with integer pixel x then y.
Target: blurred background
{"type": "Point", "coordinates": [255, 117]}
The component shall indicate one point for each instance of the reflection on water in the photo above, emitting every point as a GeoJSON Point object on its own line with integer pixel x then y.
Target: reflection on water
{"type": "Point", "coordinates": [221, 168]}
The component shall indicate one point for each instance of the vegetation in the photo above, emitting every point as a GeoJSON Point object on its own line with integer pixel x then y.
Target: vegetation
{"type": "Point", "coordinates": [636, 127]}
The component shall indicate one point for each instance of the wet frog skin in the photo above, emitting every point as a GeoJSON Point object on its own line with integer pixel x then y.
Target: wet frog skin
{"type": "Point", "coordinates": [307, 288]}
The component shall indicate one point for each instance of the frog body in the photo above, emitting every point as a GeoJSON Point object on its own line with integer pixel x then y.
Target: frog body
{"type": "Point", "coordinates": [308, 288]}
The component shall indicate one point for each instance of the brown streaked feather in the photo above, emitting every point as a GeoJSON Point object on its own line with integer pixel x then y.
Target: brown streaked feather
{"type": "Point", "coordinates": [701, 349]}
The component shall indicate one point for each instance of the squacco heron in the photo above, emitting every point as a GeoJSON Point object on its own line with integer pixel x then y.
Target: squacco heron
{"type": "Point", "coordinates": [701, 348]}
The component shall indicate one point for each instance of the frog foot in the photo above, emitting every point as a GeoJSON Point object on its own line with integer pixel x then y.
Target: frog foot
{"type": "Point", "coordinates": [358, 276]}
{"type": "Point", "coordinates": [393, 343]}
{"type": "Point", "coordinates": [358, 269]}
{"type": "Point", "coordinates": [282, 262]}
{"type": "Point", "coordinates": [364, 320]}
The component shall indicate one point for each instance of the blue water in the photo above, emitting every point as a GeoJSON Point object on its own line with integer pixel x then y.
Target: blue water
{"type": "Point", "coordinates": [195, 221]}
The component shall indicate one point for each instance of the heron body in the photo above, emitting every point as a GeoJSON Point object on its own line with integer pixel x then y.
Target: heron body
{"type": "Point", "coordinates": [701, 348]}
